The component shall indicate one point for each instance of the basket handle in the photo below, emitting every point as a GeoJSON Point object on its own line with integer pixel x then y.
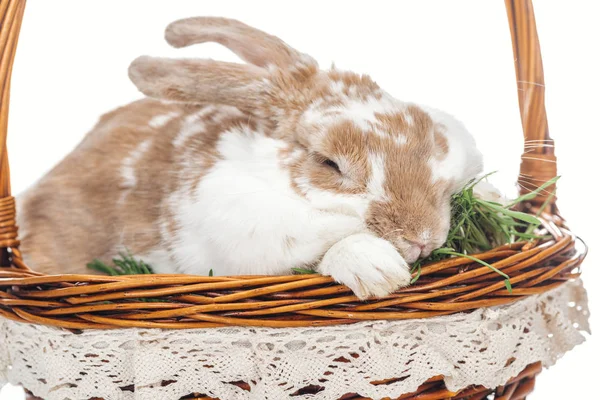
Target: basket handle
{"type": "Point", "coordinates": [538, 163]}
{"type": "Point", "coordinates": [11, 15]}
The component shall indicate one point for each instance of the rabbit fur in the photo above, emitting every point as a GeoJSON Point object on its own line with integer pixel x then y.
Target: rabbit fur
{"type": "Point", "coordinates": [253, 168]}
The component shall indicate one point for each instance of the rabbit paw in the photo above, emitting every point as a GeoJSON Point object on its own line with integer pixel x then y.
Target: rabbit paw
{"type": "Point", "coordinates": [368, 265]}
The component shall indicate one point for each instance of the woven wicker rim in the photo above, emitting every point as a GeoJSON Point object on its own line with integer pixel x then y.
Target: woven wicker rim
{"type": "Point", "coordinates": [184, 301]}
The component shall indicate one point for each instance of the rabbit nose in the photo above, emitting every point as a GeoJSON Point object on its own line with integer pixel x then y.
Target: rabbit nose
{"type": "Point", "coordinates": [420, 245]}
{"type": "Point", "coordinates": [414, 251]}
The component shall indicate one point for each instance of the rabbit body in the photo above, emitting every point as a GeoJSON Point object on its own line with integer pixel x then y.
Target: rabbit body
{"type": "Point", "coordinates": [253, 169]}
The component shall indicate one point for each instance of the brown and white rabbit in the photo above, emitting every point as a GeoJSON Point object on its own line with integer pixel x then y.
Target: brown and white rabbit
{"type": "Point", "coordinates": [253, 169]}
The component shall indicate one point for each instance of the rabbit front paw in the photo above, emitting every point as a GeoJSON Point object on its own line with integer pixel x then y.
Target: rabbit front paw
{"type": "Point", "coordinates": [370, 266]}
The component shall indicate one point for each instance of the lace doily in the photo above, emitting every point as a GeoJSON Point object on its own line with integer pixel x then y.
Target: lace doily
{"type": "Point", "coordinates": [486, 347]}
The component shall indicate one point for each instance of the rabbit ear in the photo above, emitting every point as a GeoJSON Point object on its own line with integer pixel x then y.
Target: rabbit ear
{"type": "Point", "coordinates": [200, 81]}
{"type": "Point", "coordinates": [250, 44]}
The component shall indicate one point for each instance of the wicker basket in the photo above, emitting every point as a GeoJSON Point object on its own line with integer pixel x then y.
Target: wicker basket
{"type": "Point", "coordinates": [81, 302]}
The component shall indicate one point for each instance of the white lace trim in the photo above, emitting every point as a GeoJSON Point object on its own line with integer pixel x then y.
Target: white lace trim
{"type": "Point", "coordinates": [486, 347]}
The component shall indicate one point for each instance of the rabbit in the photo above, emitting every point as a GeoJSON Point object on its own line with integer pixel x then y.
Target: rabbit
{"type": "Point", "coordinates": [253, 169]}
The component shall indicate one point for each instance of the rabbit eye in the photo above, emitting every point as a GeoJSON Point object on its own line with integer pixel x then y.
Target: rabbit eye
{"type": "Point", "coordinates": [320, 159]}
{"type": "Point", "coordinates": [332, 164]}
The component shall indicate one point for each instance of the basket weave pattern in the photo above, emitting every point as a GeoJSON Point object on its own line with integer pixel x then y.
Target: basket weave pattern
{"type": "Point", "coordinates": [182, 301]}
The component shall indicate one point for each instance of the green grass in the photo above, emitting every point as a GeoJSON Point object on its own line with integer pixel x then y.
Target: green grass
{"type": "Point", "coordinates": [476, 225]}
{"type": "Point", "coordinates": [125, 264]}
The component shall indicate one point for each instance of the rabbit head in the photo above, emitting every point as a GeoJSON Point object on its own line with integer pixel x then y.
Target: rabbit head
{"type": "Point", "coordinates": [353, 148]}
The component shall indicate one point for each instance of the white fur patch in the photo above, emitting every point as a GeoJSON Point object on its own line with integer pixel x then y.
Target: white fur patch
{"type": "Point", "coordinates": [375, 186]}
{"type": "Point", "coordinates": [361, 112]}
{"type": "Point", "coordinates": [161, 120]}
{"type": "Point", "coordinates": [426, 235]}
{"type": "Point", "coordinates": [463, 161]}
{"type": "Point", "coordinates": [128, 176]}
{"type": "Point", "coordinates": [314, 115]}
{"type": "Point", "coordinates": [192, 125]}
{"type": "Point", "coordinates": [196, 123]}
{"type": "Point", "coordinates": [354, 205]}
{"type": "Point", "coordinates": [337, 87]}
{"type": "Point", "coordinates": [368, 265]}
{"type": "Point", "coordinates": [400, 140]}
{"type": "Point", "coordinates": [224, 111]}
{"type": "Point", "coordinates": [488, 192]}
{"type": "Point", "coordinates": [128, 167]}
{"type": "Point", "coordinates": [158, 260]}
{"type": "Point", "coordinates": [293, 157]}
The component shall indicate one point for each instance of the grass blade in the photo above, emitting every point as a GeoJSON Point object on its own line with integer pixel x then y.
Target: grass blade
{"type": "Point", "coordinates": [304, 271]}
{"type": "Point", "coordinates": [512, 213]}
{"type": "Point", "coordinates": [533, 194]}
{"type": "Point", "coordinates": [496, 270]}
{"type": "Point", "coordinates": [125, 265]}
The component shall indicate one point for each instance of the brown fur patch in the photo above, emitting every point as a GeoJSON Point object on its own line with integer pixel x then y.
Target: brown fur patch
{"type": "Point", "coordinates": [354, 85]}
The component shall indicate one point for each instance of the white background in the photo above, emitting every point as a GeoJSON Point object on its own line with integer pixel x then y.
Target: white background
{"type": "Point", "coordinates": [455, 55]}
